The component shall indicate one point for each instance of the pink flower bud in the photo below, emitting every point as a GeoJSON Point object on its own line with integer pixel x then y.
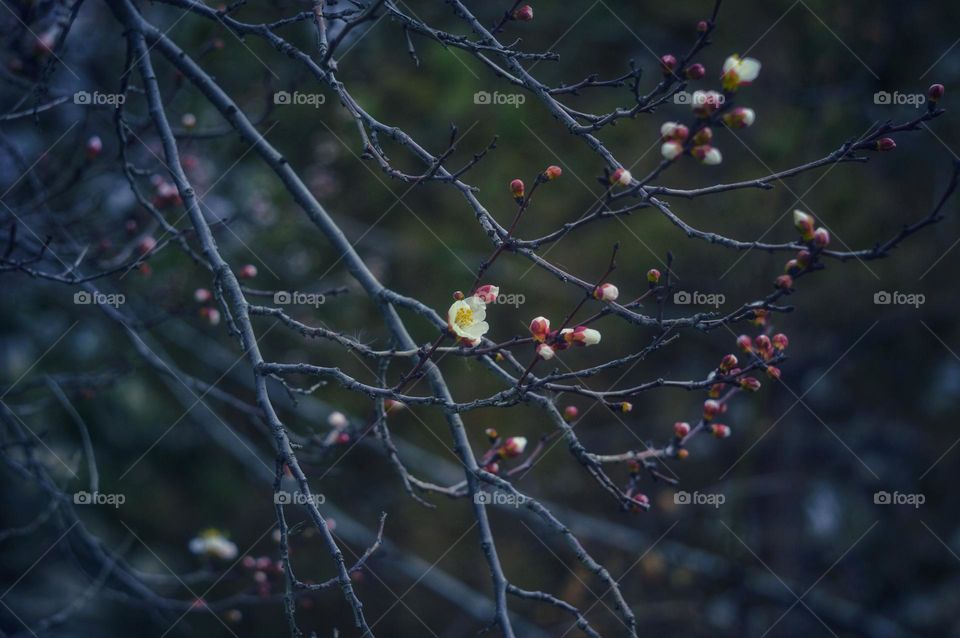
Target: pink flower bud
{"type": "Point", "coordinates": [728, 362]}
{"type": "Point", "coordinates": [702, 26]}
{"type": "Point", "coordinates": [711, 409]}
{"type": "Point", "coordinates": [621, 176]}
{"type": "Point", "coordinates": [581, 336]}
{"type": "Point", "coordinates": [513, 447]}
{"type": "Point", "coordinates": [189, 120]}
{"type": "Point", "coordinates": [773, 372]}
{"type": "Point", "coordinates": [343, 438]}
{"type": "Point", "coordinates": [935, 92]}
{"type": "Point", "coordinates": [821, 238]}
{"type": "Point", "coordinates": [487, 293]}
{"type": "Point", "coordinates": [739, 117]}
{"type": "Point", "coordinates": [545, 352]}
{"type": "Point", "coordinates": [517, 188]}
{"type": "Point", "coordinates": [695, 71]}
{"type": "Point", "coordinates": [784, 282]}
{"type": "Point", "coordinates": [683, 453]}
{"type": "Point", "coordinates": [653, 276]}
{"type": "Point", "coordinates": [720, 431]}
{"type": "Point", "coordinates": [553, 172]}
{"type": "Point", "coordinates": [202, 295]}
{"type": "Point", "coordinates": [681, 429]}
{"type": "Point", "coordinates": [707, 154]}
{"type": "Point", "coordinates": [570, 413]}
{"type": "Point", "coordinates": [750, 384]}
{"type": "Point", "coordinates": [780, 341]}
{"type": "Point", "coordinates": [524, 13]}
{"type": "Point", "coordinates": [640, 502]}
{"type": "Point", "coordinates": [146, 244]}
{"type": "Point", "coordinates": [886, 144]}
{"type": "Point", "coordinates": [745, 343]}
{"type": "Point", "coordinates": [803, 258]}
{"type": "Point", "coordinates": [212, 315]}
{"type": "Point", "coordinates": [668, 63]}
{"type": "Point", "coordinates": [791, 267]}
{"type": "Point", "coordinates": [763, 343]}
{"type": "Point", "coordinates": [671, 150]}
{"type": "Point", "coordinates": [606, 292]}
{"type": "Point", "coordinates": [717, 388]}
{"type": "Point", "coordinates": [249, 271]}
{"type": "Point", "coordinates": [626, 407]}
{"type": "Point", "coordinates": [458, 295]}
{"type": "Point", "coordinates": [540, 328]}
{"type": "Point", "coordinates": [703, 136]}
{"type": "Point", "coordinates": [803, 223]}
{"type": "Point", "coordinates": [94, 147]}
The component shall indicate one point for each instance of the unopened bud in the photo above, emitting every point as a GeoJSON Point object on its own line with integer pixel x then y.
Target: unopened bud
{"type": "Point", "coordinates": [683, 453]}
{"type": "Point", "coordinates": [570, 413]}
{"type": "Point", "coordinates": [524, 13]}
{"type": "Point", "coordinates": [803, 223]}
{"type": "Point", "coordinates": [695, 71]}
{"type": "Point", "coordinates": [202, 295]}
{"type": "Point", "coordinates": [728, 362]}
{"type": "Point", "coordinates": [248, 271]}
{"type": "Point", "coordinates": [821, 238]}
{"type": "Point", "coordinates": [94, 147]}
{"type": "Point", "coordinates": [668, 63]}
{"type": "Point", "coordinates": [702, 26]}
{"type": "Point", "coordinates": [517, 188]}
{"type": "Point", "coordinates": [671, 150]}
{"type": "Point", "coordinates": [621, 176]}
{"type": "Point", "coordinates": [707, 154]}
{"type": "Point", "coordinates": [681, 429]}
{"type": "Point", "coordinates": [338, 420]}
{"type": "Point", "coordinates": [189, 120]}
{"type": "Point", "coordinates": [780, 341]}
{"type": "Point", "coordinates": [674, 131]}
{"type": "Point", "coordinates": [711, 409]}
{"type": "Point", "coordinates": [935, 92]}
{"type": "Point", "coordinates": [553, 172]}
{"type": "Point", "coordinates": [773, 372]}
{"type": "Point", "coordinates": [745, 343]}
{"type": "Point", "coordinates": [606, 292]}
{"type": "Point", "coordinates": [750, 384]}
{"type": "Point", "coordinates": [763, 343]}
{"type": "Point", "coordinates": [458, 295]}
{"type": "Point", "coordinates": [625, 407]}
{"type": "Point", "coordinates": [739, 117]}
{"type": "Point", "coordinates": [886, 144]}
{"type": "Point", "coordinates": [720, 431]}
{"type": "Point", "coordinates": [545, 352]}
{"type": "Point", "coordinates": [703, 136]}
{"type": "Point", "coordinates": [653, 276]}
{"type": "Point", "coordinates": [784, 282]}
{"type": "Point", "coordinates": [540, 328]}
{"type": "Point", "coordinates": [512, 447]}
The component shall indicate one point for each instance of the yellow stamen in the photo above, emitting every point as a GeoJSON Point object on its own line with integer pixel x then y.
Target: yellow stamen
{"type": "Point", "coordinates": [464, 317]}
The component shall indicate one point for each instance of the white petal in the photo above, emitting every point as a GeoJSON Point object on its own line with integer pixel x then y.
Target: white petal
{"type": "Point", "coordinates": [730, 63]}
{"type": "Point", "coordinates": [748, 69]}
{"type": "Point", "coordinates": [671, 150]}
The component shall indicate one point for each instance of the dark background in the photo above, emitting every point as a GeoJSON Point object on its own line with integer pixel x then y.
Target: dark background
{"type": "Point", "coordinates": [867, 402]}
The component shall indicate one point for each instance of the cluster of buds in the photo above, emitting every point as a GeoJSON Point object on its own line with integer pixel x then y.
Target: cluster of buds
{"type": "Point", "coordinates": [673, 135]}
{"type": "Point", "coordinates": [549, 341]}
{"type": "Point", "coordinates": [766, 348]}
{"type": "Point", "coordinates": [263, 568]}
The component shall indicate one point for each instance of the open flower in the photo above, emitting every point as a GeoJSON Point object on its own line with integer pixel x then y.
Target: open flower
{"type": "Point", "coordinates": [211, 542]}
{"type": "Point", "coordinates": [465, 318]}
{"type": "Point", "coordinates": [737, 71]}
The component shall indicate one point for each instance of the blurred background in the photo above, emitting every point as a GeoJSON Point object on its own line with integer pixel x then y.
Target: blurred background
{"type": "Point", "coordinates": [799, 546]}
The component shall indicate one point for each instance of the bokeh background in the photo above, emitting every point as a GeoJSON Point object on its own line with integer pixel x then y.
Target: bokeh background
{"type": "Point", "coordinates": [867, 402]}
